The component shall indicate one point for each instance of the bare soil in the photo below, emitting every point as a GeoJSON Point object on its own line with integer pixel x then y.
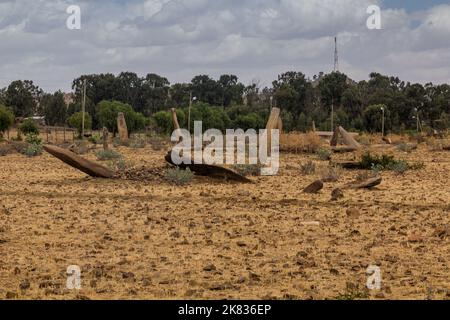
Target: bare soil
{"type": "Point", "coordinates": [213, 239]}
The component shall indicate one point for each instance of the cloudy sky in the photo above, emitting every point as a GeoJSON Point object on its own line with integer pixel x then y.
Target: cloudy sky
{"type": "Point", "coordinates": [254, 39]}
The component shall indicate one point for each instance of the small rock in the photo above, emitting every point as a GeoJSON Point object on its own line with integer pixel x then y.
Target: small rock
{"type": "Point", "coordinates": [209, 267]}
{"type": "Point", "coordinates": [352, 213]}
{"type": "Point", "coordinates": [337, 194]}
{"type": "Point", "coordinates": [241, 244]}
{"type": "Point", "coordinates": [11, 295]}
{"type": "Point", "coordinates": [127, 275]}
{"type": "Point", "coordinates": [415, 238]}
{"type": "Point", "coordinates": [314, 187]}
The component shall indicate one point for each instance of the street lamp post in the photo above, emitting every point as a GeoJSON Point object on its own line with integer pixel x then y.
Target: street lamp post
{"type": "Point", "coordinates": [417, 119]}
{"type": "Point", "coordinates": [189, 113]}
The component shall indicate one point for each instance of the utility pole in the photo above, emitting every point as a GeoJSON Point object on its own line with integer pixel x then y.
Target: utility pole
{"type": "Point", "coordinates": [382, 123]}
{"type": "Point", "coordinates": [83, 109]}
{"type": "Point", "coordinates": [332, 114]}
{"type": "Point", "coordinates": [189, 113]}
{"type": "Point", "coordinates": [336, 56]}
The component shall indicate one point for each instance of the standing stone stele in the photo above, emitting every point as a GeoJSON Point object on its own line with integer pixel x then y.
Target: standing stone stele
{"type": "Point", "coordinates": [122, 126]}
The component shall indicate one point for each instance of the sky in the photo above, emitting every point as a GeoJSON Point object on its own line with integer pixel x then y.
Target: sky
{"type": "Point", "coordinates": [255, 39]}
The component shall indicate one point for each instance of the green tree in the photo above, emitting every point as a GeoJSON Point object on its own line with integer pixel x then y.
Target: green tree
{"type": "Point", "coordinates": [373, 116]}
{"type": "Point", "coordinates": [54, 108]}
{"type": "Point", "coordinates": [75, 121]}
{"type": "Point", "coordinates": [29, 126]}
{"type": "Point", "coordinates": [23, 97]}
{"type": "Point", "coordinates": [107, 116]}
{"type": "Point", "coordinates": [6, 119]}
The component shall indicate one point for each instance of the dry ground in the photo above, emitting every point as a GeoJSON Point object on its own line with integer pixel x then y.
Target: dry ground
{"type": "Point", "coordinates": [213, 239]}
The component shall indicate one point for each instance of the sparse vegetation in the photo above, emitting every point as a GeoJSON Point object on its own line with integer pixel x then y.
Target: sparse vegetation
{"type": "Point", "coordinates": [95, 138]}
{"type": "Point", "coordinates": [178, 177]}
{"type": "Point", "coordinates": [137, 143]}
{"type": "Point", "coordinates": [385, 162]}
{"type": "Point", "coordinates": [353, 292]}
{"type": "Point", "coordinates": [332, 173]}
{"type": "Point", "coordinates": [32, 150]}
{"type": "Point", "coordinates": [119, 164]}
{"type": "Point", "coordinates": [308, 168]}
{"type": "Point", "coordinates": [323, 154]}
{"type": "Point", "coordinates": [248, 169]}
{"type": "Point", "coordinates": [104, 155]}
{"type": "Point", "coordinates": [406, 147]}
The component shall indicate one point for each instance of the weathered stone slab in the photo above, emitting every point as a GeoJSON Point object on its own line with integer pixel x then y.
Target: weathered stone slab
{"type": "Point", "coordinates": [87, 166]}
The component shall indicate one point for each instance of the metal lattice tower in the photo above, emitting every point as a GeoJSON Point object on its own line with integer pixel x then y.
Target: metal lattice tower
{"type": "Point", "coordinates": [336, 56]}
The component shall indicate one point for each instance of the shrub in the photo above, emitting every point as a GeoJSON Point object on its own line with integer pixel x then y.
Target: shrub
{"type": "Point", "coordinates": [332, 173]}
{"type": "Point", "coordinates": [33, 138]}
{"type": "Point", "coordinates": [103, 155]}
{"type": "Point", "coordinates": [369, 161]}
{"type": "Point", "coordinates": [6, 119]}
{"type": "Point", "coordinates": [28, 127]}
{"type": "Point", "coordinates": [178, 177]}
{"type": "Point", "coordinates": [248, 169]}
{"type": "Point", "coordinates": [384, 162]}
{"type": "Point", "coordinates": [308, 168]}
{"type": "Point", "coordinates": [75, 121]}
{"type": "Point", "coordinates": [33, 150]}
{"type": "Point", "coordinates": [324, 154]}
{"type": "Point", "coordinates": [95, 138]}
{"type": "Point", "coordinates": [400, 167]}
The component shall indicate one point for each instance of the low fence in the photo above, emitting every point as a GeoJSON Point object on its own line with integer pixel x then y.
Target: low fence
{"type": "Point", "coordinates": [50, 134]}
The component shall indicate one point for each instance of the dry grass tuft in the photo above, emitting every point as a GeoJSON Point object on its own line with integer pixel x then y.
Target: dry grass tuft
{"type": "Point", "coordinates": [300, 142]}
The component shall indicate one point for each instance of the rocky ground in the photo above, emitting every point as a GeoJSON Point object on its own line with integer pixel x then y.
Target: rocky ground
{"type": "Point", "coordinates": [147, 239]}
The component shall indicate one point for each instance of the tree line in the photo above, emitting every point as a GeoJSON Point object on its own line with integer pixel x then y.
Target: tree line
{"type": "Point", "coordinates": [226, 102]}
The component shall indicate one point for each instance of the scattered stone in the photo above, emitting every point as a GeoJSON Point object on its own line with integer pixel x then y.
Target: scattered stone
{"type": "Point", "coordinates": [11, 295]}
{"type": "Point", "coordinates": [310, 223]}
{"type": "Point", "coordinates": [442, 232]}
{"type": "Point", "coordinates": [367, 184]}
{"type": "Point", "coordinates": [314, 187]}
{"type": "Point", "coordinates": [353, 213]}
{"type": "Point", "coordinates": [241, 244]}
{"type": "Point", "coordinates": [414, 238]}
{"type": "Point", "coordinates": [337, 194]}
{"type": "Point", "coordinates": [128, 275]}
{"type": "Point", "coordinates": [210, 267]}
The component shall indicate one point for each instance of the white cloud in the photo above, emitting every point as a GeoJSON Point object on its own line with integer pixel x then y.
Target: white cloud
{"type": "Point", "coordinates": [253, 39]}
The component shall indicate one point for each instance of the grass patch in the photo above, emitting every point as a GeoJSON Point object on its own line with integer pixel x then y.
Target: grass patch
{"type": "Point", "coordinates": [389, 163]}
{"type": "Point", "coordinates": [324, 154]}
{"type": "Point", "coordinates": [104, 155]}
{"type": "Point", "coordinates": [248, 169]}
{"type": "Point", "coordinates": [308, 168]}
{"type": "Point", "coordinates": [178, 177]}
